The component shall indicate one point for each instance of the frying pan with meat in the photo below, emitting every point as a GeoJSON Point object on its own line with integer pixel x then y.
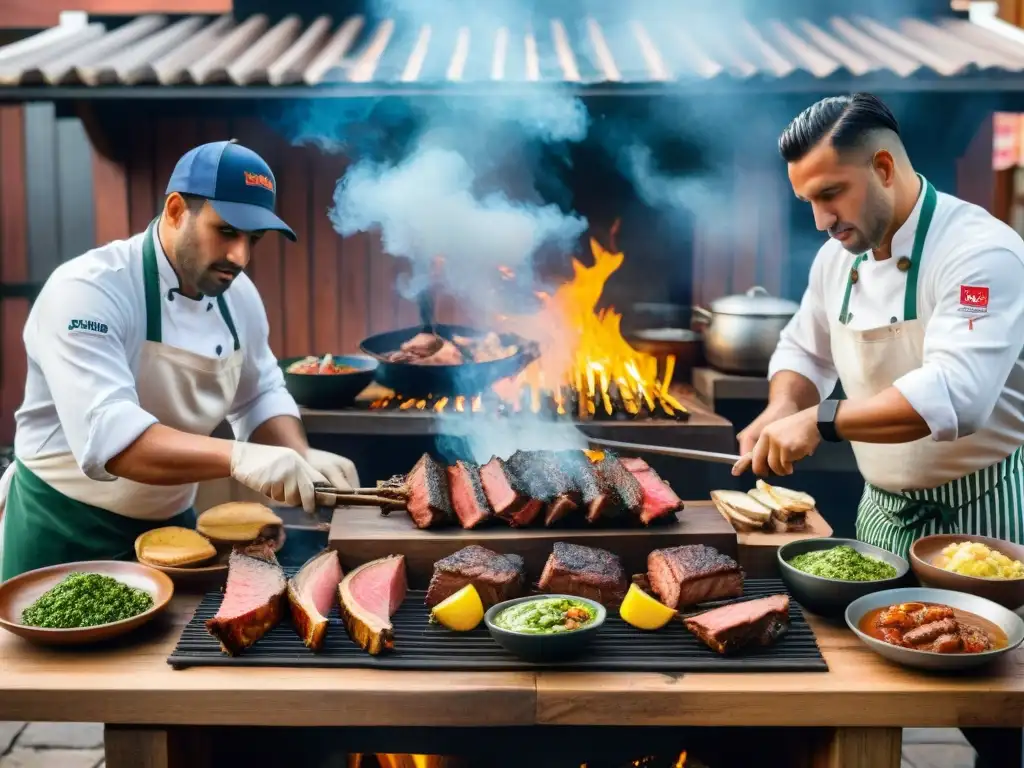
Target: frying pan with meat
{"type": "Point", "coordinates": [414, 379]}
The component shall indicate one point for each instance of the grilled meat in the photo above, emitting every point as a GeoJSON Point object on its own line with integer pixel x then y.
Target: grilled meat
{"type": "Point", "coordinates": [590, 572]}
{"type": "Point", "coordinates": [368, 597]}
{"type": "Point", "coordinates": [659, 500]}
{"type": "Point", "coordinates": [495, 577]}
{"type": "Point", "coordinates": [429, 503]}
{"type": "Point", "coordinates": [621, 494]}
{"type": "Point", "coordinates": [545, 479]}
{"type": "Point", "coordinates": [926, 633]}
{"type": "Point", "coordinates": [253, 599]}
{"type": "Point", "coordinates": [734, 627]}
{"type": "Point", "coordinates": [506, 494]}
{"type": "Point", "coordinates": [311, 594]}
{"type": "Point", "coordinates": [693, 574]}
{"type": "Point", "coordinates": [467, 494]}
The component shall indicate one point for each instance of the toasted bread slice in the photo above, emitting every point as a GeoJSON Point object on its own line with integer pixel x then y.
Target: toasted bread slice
{"type": "Point", "coordinates": [791, 501]}
{"type": "Point", "coordinates": [174, 547]}
{"type": "Point", "coordinates": [779, 512]}
{"type": "Point", "coordinates": [239, 522]}
{"type": "Point", "coordinates": [737, 520]}
{"type": "Point", "coordinates": [741, 511]}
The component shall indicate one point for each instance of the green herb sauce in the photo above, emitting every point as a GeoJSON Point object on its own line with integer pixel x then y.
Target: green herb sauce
{"type": "Point", "coordinates": [843, 563]}
{"type": "Point", "coordinates": [86, 600]}
{"type": "Point", "coordinates": [546, 616]}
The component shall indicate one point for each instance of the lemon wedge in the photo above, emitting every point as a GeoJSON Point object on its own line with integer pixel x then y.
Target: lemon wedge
{"type": "Point", "coordinates": [643, 611]}
{"type": "Point", "coordinates": [460, 612]}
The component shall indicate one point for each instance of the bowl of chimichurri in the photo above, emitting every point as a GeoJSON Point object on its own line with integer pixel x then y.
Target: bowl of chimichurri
{"type": "Point", "coordinates": [545, 628]}
{"type": "Point", "coordinates": [825, 575]}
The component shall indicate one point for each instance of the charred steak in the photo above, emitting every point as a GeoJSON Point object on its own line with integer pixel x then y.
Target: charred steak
{"type": "Point", "coordinates": [467, 494]}
{"type": "Point", "coordinates": [589, 572]}
{"type": "Point", "coordinates": [621, 494]}
{"type": "Point", "coordinates": [429, 503]}
{"type": "Point", "coordinates": [496, 577]}
{"type": "Point", "coordinates": [693, 574]}
{"type": "Point", "coordinates": [506, 494]}
{"type": "Point", "coordinates": [368, 598]}
{"type": "Point", "coordinates": [659, 500]}
{"type": "Point", "coordinates": [544, 478]}
{"type": "Point", "coordinates": [253, 600]}
{"type": "Point", "coordinates": [731, 628]}
{"type": "Point", "coordinates": [311, 593]}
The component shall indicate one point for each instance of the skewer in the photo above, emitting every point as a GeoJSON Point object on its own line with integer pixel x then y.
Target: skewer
{"type": "Point", "coordinates": [342, 499]}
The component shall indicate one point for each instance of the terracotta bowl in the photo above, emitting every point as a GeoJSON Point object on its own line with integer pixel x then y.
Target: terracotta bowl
{"type": "Point", "coordinates": [1008, 593]}
{"type": "Point", "coordinates": [19, 593]}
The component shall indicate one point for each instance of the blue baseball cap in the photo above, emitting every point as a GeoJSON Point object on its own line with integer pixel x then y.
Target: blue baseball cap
{"type": "Point", "coordinates": [236, 181]}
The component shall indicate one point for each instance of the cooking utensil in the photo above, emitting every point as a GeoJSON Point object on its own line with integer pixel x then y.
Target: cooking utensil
{"type": "Point", "coordinates": [662, 450]}
{"type": "Point", "coordinates": [1009, 593]}
{"type": "Point", "coordinates": [742, 331]}
{"type": "Point", "coordinates": [684, 344]}
{"type": "Point", "coordinates": [413, 380]}
{"type": "Point", "coordinates": [328, 391]}
{"type": "Point", "coordinates": [1005, 619]}
{"type": "Point", "coordinates": [20, 592]}
{"type": "Point", "coordinates": [830, 597]}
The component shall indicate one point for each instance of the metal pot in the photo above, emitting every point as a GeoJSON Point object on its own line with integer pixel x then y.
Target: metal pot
{"type": "Point", "coordinates": [742, 331]}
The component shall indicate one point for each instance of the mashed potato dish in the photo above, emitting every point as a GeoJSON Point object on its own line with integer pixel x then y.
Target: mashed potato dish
{"type": "Point", "coordinates": [969, 558]}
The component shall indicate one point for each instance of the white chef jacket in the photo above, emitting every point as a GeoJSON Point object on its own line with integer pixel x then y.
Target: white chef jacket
{"type": "Point", "coordinates": [972, 373]}
{"type": "Point", "coordinates": [80, 390]}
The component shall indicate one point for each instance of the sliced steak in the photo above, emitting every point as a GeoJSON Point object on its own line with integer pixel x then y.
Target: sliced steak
{"type": "Point", "coordinates": [731, 628]}
{"type": "Point", "coordinates": [621, 494]}
{"type": "Point", "coordinates": [659, 499]}
{"type": "Point", "coordinates": [467, 493]}
{"type": "Point", "coordinates": [496, 577]}
{"type": "Point", "coordinates": [545, 479]}
{"type": "Point", "coordinates": [635, 464]}
{"type": "Point", "coordinates": [590, 572]}
{"type": "Point", "coordinates": [693, 574]}
{"type": "Point", "coordinates": [253, 600]}
{"type": "Point", "coordinates": [429, 503]}
{"type": "Point", "coordinates": [368, 597]}
{"type": "Point", "coordinates": [506, 494]}
{"type": "Point", "coordinates": [311, 593]}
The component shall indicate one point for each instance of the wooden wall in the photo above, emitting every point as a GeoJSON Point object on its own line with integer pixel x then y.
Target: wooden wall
{"type": "Point", "coordinates": [27, 14]}
{"type": "Point", "coordinates": [13, 265]}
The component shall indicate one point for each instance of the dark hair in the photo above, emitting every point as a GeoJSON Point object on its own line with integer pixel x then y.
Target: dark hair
{"type": "Point", "coordinates": [849, 121]}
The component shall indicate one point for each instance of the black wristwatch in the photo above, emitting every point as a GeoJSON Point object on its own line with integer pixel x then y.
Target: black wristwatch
{"type": "Point", "coordinates": [827, 421]}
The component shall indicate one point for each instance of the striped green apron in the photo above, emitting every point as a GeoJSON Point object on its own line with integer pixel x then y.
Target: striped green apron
{"type": "Point", "coordinates": [987, 502]}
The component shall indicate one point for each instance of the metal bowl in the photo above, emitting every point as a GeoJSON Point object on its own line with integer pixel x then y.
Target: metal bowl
{"type": "Point", "coordinates": [542, 649]}
{"type": "Point", "coordinates": [1005, 619]}
{"type": "Point", "coordinates": [830, 597]}
{"type": "Point", "coordinates": [1009, 593]}
{"type": "Point", "coordinates": [330, 390]}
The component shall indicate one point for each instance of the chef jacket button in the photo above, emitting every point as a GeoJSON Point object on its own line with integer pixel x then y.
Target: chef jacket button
{"type": "Point", "coordinates": [209, 306]}
{"type": "Point", "coordinates": [219, 349]}
{"type": "Point", "coordinates": [854, 275]}
{"type": "Point", "coordinates": [892, 319]}
{"type": "Point", "coordinates": [170, 295]}
{"type": "Point", "coordinates": [903, 264]}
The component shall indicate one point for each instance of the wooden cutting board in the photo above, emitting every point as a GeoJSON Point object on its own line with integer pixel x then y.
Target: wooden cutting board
{"type": "Point", "coordinates": [360, 534]}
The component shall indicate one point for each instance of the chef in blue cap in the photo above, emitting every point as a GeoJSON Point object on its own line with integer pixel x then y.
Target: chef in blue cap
{"type": "Point", "coordinates": [137, 351]}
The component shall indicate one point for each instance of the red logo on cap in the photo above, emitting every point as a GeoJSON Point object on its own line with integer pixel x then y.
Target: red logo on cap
{"type": "Point", "coordinates": [974, 296]}
{"type": "Point", "coordinates": [258, 180]}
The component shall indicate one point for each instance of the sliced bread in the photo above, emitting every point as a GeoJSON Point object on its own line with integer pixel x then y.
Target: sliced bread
{"type": "Point", "coordinates": [791, 501]}
{"type": "Point", "coordinates": [744, 512]}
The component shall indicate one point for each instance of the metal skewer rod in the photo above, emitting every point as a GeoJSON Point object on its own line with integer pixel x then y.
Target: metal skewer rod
{"type": "Point", "coordinates": [678, 453]}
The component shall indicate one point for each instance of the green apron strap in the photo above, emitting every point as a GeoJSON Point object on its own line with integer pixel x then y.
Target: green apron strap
{"type": "Point", "coordinates": [226, 314]}
{"type": "Point", "coordinates": [44, 527]}
{"type": "Point", "coordinates": [844, 312]}
{"type": "Point", "coordinates": [916, 256]}
{"type": "Point", "coordinates": [151, 282]}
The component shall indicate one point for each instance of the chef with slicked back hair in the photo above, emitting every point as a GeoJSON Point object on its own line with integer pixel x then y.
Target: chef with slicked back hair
{"type": "Point", "coordinates": [916, 306]}
{"type": "Point", "coordinates": [137, 351]}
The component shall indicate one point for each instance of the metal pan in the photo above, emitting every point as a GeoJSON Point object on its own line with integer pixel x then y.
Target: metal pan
{"type": "Point", "coordinates": [411, 380]}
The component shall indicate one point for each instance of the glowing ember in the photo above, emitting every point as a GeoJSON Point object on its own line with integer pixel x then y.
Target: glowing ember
{"type": "Point", "coordinates": [586, 369]}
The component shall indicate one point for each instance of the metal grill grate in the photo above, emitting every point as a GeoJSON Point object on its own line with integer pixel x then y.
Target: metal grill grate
{"type": "Point", "coordinates": [423, 646]}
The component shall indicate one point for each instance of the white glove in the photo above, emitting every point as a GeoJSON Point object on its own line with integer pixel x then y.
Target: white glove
{"type": "Point", "coordinates": [278, 473]}
{"type": "Point", "coordinates": [341, 472]}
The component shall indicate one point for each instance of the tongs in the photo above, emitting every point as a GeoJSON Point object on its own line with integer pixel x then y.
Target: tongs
{"type": "Point", "coordinates": [662, 450]}
{"type": "Point", "coordinates": [391, 497]}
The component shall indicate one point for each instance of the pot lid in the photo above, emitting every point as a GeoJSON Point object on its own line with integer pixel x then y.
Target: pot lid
{"type": "Point", "coordinates": [756, 301]}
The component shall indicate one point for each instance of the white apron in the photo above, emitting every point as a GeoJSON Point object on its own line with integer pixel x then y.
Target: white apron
{"type": "Point", "coordinates": [918, 488]}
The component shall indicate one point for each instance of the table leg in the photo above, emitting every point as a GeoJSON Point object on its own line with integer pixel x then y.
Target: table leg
{"type": "Point", "coordinates": [996, 747]}
{"type": "Point", "coordinates": [156, 746]}
{"type": "Point", "coordinates": [849, 747]}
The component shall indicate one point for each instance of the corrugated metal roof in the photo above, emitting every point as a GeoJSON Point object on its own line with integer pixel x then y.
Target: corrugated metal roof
{"type": "Point", "coordinates": [200, 51]}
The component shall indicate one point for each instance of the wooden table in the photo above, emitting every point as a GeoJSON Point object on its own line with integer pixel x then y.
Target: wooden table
{"type": "Point", "coordinates": [155, 716]}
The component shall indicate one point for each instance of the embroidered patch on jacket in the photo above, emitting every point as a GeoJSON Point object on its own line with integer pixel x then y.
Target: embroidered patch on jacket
{"type": "Point", "coordinates": [973, 300]}
{"type": "Point", "coordinates": [87, 326]}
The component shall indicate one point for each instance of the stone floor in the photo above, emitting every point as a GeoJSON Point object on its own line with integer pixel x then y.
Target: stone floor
{"type": "Point", "coordinates": [80, 745]}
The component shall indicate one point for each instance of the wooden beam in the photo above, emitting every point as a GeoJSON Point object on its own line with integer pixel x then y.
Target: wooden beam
{"type": "Point", "coordinates": [30, 14]}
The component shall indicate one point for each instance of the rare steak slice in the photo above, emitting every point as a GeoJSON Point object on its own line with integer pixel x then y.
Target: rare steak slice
{"type": "Point", "coordinates": [253, 599]}
{"type": "Point", "coordinates": [507, 495]}
{"type": "Point", "coordinates": [693, 574]}
{"type": "Point", "coordinates": [369, 597]}
{"type": "Point", "coordinates": [467, 493]}
{"type": "Point", "coordinates": [621, 494]}
{"type": "Point", "coordinates": [659, 500]}
{"type": "Point", "coordinates": [496, 577]}
{"type": "Point", "coordinates": [311, 593]}
{"type": "Point", "coordinates": [429, 503]}
{"type": "Point", "coordinates": [573, 569]}
{"type": "Point", "coordinates": [734, 627]}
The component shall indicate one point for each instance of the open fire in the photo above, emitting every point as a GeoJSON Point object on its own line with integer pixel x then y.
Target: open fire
{"type": "Point", "coordinates": [439, 761]}
{"type": "Point", "coordinates": [586, 369]}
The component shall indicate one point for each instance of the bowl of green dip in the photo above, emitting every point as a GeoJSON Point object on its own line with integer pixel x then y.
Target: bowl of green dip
{"type": "Point", "coordinates": [545, 628]}
{"type": "Point", "coordinates": [825, 575]}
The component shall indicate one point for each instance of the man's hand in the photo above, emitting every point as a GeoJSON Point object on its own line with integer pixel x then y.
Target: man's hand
{"type": "Point", "coordinates": [339, 471]}
{"type": "Point", "coordinates": [278, 473]}
{"type": "Point", "coordinates": [748, 437]}
{"type": "Point", "coordinates": [781, 443]}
